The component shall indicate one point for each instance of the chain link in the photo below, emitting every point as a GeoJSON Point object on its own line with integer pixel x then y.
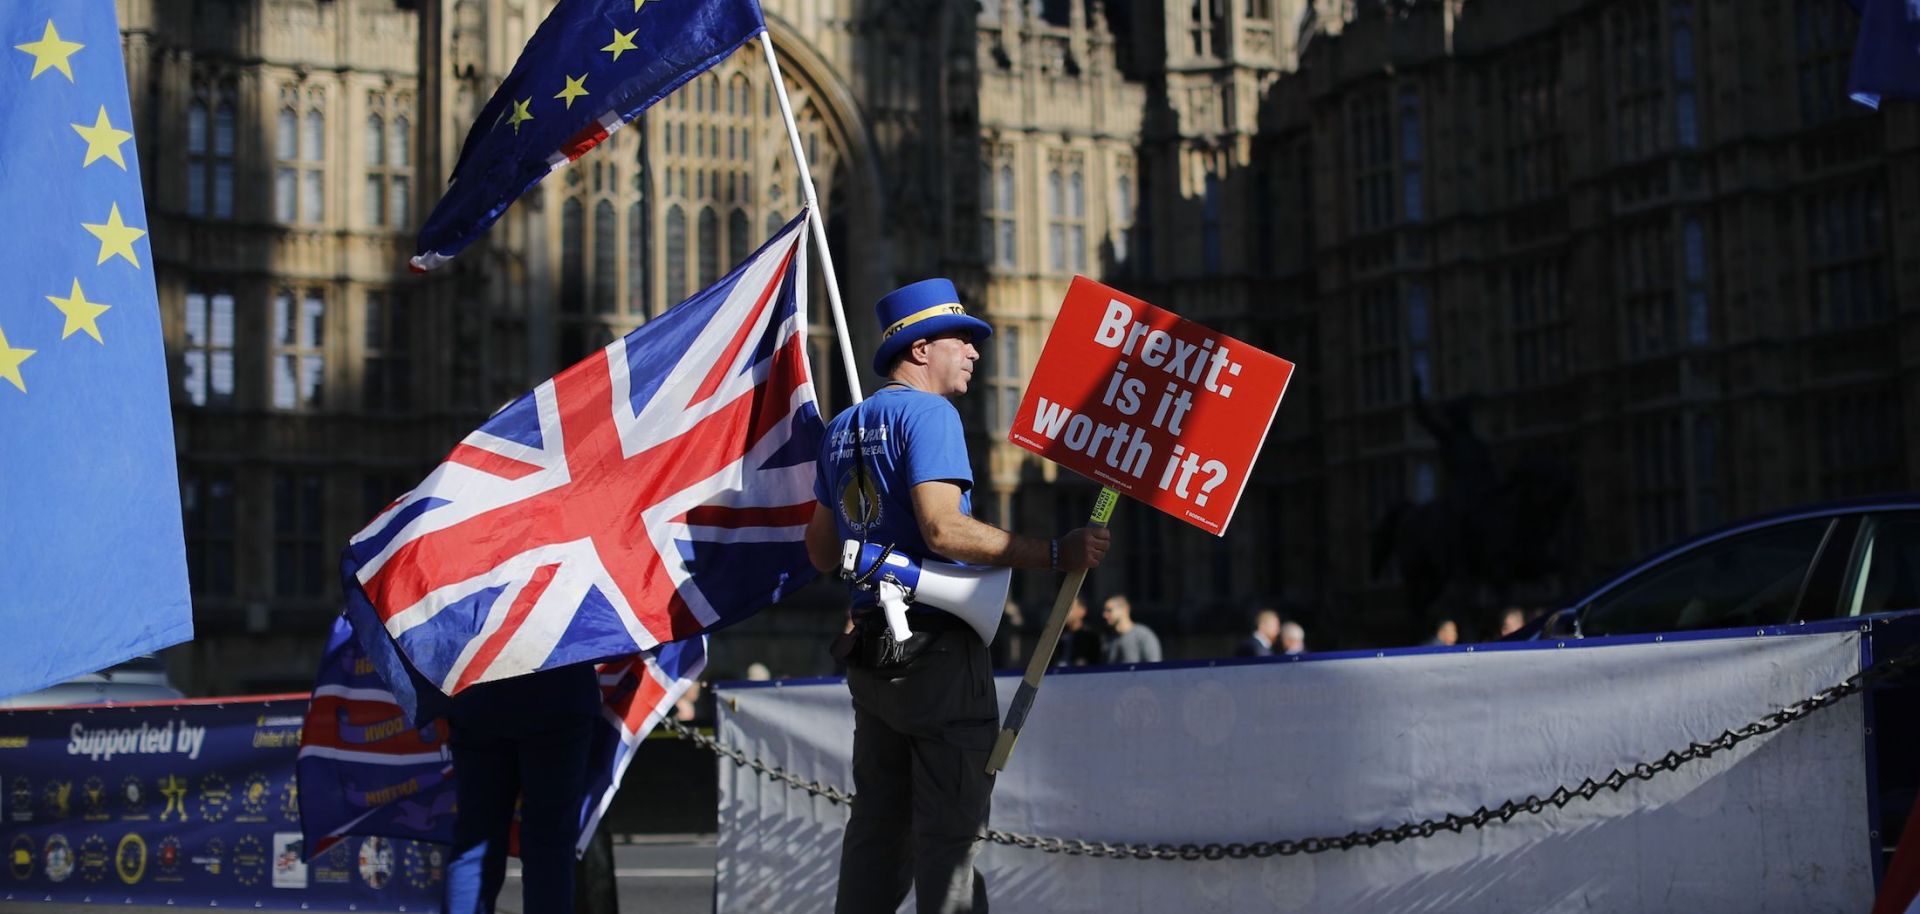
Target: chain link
{"type": "Point", "coordinates": [1532, 804]}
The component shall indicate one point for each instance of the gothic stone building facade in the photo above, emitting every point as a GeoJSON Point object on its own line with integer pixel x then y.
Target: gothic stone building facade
{"type": "Point", "coordinates": [1649, 237]}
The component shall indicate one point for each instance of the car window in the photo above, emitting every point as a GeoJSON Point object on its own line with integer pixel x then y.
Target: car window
{"type": "Point", "coordinates": [1889, 576]}
{"type": "Point", "coordinates": [1750, 579]}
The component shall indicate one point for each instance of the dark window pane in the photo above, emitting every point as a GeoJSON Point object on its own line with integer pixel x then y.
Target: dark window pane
{"type": "Point", "coordinates": [739, 243]}
{"type": "Point", "coordinates": [676, 256]}
{"type": "Point", "coordinates": [283, 504]}
{"type": "Point", "coordinates": [709, 246]}
{"type": "Point", "coordinates": [573, 264]}
{"type": "Point", "coordinates": [606, 270]}
{"type": "Point", "coordinates": [1751, 579]}
{"type": "Point", "coordinates": [1890, 566]}
{"type": "Point", "coordinates": [637, 250]}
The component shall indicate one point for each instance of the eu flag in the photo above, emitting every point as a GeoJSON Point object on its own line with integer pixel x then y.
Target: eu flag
{"type": "Point", "coordinates": [90, 540]}
{"type": "Point", "coordinates": [592, 66]}
{"type": "Point", "coordinates": [1886, 57]}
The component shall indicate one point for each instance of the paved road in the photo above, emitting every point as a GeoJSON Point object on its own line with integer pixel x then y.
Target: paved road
{"type": "Point", "coordinates": [665, 875]}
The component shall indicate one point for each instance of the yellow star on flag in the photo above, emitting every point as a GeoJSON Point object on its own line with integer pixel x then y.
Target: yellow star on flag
{"type": "Point", "coordinates": [520, 114]}
{"type": "Point", "coordinates": [622, 42]}
{"type": "Point", "coordinates": [81, 314]}
{"type": "Point", "coordinates": [116, 237]}
{"type": "Point", "coordinates": [103, 140]}
{"type": "Point", "coordinates": [575, 88]}
{"type": "Point", "coordinates": [10, 360]}
{"type": "Point", "coordinates": [51, 51]}
{"type": "Point", "coordinates": [637, 4]}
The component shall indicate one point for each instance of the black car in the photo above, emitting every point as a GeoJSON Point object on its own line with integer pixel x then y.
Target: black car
{"type": "Point", "coordinates": [1836, 560]}
{"type": "Point", "coordinates": [1857, 559]}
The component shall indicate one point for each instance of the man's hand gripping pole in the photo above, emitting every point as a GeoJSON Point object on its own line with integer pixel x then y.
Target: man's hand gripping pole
{"type": "Point", "coordinates": [1049, 639]}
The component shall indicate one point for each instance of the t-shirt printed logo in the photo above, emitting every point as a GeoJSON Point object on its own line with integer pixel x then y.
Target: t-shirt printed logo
{"type": "Point", "coordinates": [859, 501]}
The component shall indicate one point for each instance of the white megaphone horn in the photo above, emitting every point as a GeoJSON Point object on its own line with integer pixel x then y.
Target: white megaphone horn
{"type": "Point", "coordinates": [977, 595]}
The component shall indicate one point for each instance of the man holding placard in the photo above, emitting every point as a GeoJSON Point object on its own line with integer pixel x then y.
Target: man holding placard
{"type": "Point", "coordinates": [893, 472]}
{"type": "Point", "coordinates": [1152, 406]}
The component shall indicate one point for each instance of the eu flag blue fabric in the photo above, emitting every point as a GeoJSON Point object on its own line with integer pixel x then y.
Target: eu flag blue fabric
{"type": "Point", "coordinates": [1886, 56]}
{"type": "Point", "coordinates": [90, 531]}
{"type": "Point", "coordinates": [592, 66]}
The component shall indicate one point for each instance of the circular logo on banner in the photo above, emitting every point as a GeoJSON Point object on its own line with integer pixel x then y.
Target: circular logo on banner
{"type": "Point", "coordinates": [133, 797]}
{"type": "Point", "coordinates": [175, 790]}
{"type": "Point", "coordinates": [212, 856]}
{"type": "Point", "coordinates": [249, 860]}
{"type": "Point", "coordinates": [214, 797]}
{"type": "Point", "coordinates": [290, 801]}
{"type": "Point", "coordinates": [1137, 709]}
{"type": "Point", "coordinates": [20, 857]}
{"type": "Point", "coordinates": [376, 862]}
{"type": "Point", "coordinates": [93, 858]}
{"type": "Point", "coordinates": [335, 866]}
{"type": "Point", "coordinates": [1209, 712]}
{"type": "Point", "coordinates": [20, 797]}
{"type": "Point", "coordinates": [255, 793]}
{"type": "Point", "coordinates": [167, 857]}
{"type": "Point", "coordinates": [130, 858]}
{"type": "Point", "coordinates": [424, 864]}
{"type": "Point", "coordinates": [57, 799]}
{"type": "Point", "coordinates": [57, 859]}
{"type": "Point", "coordinates": [93, 799]}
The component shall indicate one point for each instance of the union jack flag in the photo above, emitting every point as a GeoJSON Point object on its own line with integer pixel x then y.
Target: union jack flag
{"type": "Point", "coordinates": [657, 490]}
{"type": "Point", "coordinates": [364, 770]}
{"type": "Point", "coordinates": [638, 692]}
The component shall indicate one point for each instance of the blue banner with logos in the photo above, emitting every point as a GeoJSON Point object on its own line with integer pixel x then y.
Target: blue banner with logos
{"type": "Point", "coordinates": [190, 804]}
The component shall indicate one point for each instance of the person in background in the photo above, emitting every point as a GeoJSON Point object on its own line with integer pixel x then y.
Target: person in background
{"type": "Point", "coordinates": [1293, 639]}
{"type": "Point", "coordinates": [688, 707]}
{"type": "Point", "coordinates": [1130, 642]}
{"type": "Point", "coordinates": [1512, 620]}
{"type": "Point", "coordinates": [526, 739]}
{"type": "Point", "coordinates": [1446, 634]}
{"type": "Point", "coordinates": [1010, 646]}
{"type": "Point", "coordinates": [1266, 631]}
{"type": "Point", "coordinates": [1078, 646]}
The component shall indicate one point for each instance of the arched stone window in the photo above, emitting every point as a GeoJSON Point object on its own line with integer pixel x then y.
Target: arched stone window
{"type": "Point", "coordinates": [709, 246]}
{"type": "Point", "coordinates": [606, 270]}
{"type": "Point", "coordinates": [637, 248]}
{"type": "Point", "coordinates": [739, 245]}
{"type": "Point", "coordinates": [210, 149]}
{"type": "Point", "coordinates": [676, 255]}
{"type": "Point", "coordinates": [1056, 223]}
{"type": "Point", "coordinates": [573, 266]}
{"type": "Point", "coordinates": [376, 138]}
{"type": "Point", "coordinates": [375, 203]}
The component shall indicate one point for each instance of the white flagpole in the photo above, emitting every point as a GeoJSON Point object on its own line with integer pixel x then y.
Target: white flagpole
{"type": "Point", "coordinates": [819, 221]}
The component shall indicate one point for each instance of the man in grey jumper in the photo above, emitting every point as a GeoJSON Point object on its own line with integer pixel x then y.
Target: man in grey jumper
{"type": "Point", "coordinates": [1130, 642]}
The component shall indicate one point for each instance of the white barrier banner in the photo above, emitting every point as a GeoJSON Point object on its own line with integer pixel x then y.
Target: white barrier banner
{"type": "Point", "coordinates": [1288, 750]}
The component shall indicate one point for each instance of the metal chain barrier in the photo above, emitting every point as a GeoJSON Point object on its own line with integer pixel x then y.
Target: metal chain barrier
{"type": "Point", "coordinates": [1453, 822]}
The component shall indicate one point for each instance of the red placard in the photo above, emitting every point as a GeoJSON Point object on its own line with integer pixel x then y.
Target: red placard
{"type": "Point", "coordinates": [1156, 407]}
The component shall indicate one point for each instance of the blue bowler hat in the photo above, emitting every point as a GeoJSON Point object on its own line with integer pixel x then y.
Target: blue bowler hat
{"type": "Point", "coordinates": [917, 311]}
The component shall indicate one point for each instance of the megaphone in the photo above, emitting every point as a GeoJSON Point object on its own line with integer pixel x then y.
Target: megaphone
{"type": "Point", "coordinates": [977, 595]}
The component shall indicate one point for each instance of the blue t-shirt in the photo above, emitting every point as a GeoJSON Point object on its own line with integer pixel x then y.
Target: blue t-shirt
{"type": "Point", "coordinates": [905, 437]}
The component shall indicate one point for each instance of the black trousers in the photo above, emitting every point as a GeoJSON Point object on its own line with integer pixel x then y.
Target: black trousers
{"type": "Point", "coordinates": [922, 734]}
